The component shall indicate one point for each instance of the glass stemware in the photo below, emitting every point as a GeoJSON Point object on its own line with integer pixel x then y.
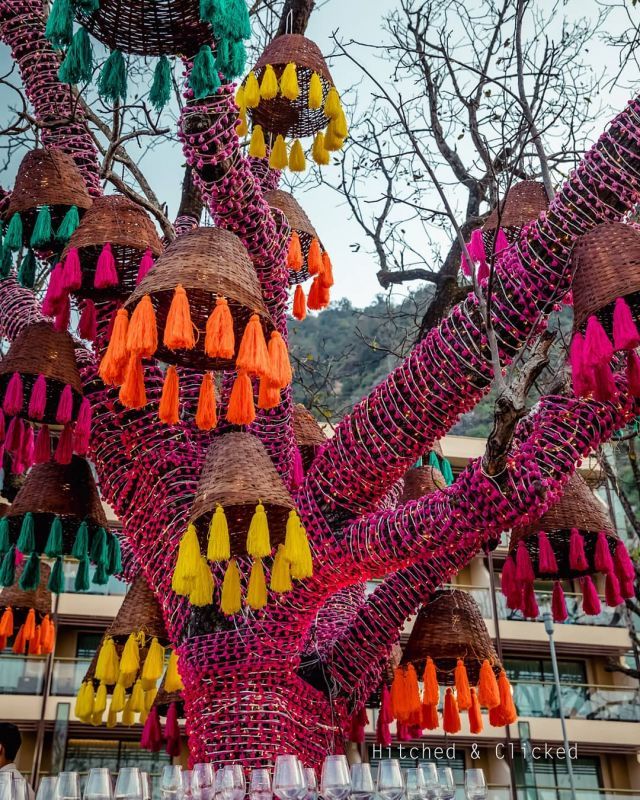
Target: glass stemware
{"type": "Point", "coordinates": [336, 780]}
{"type": "Point", "coordinates": [362, 785]}
{"type": "Point", "coordinates": [390, 782]}
{"type": "Point", "coordinates": [129, 784]}
{"type": "Point", "coordinates": [475, 786]}
{"type": "Point", "coordinates": [187, 784]}
{"type": "Point", "coordinates": [236, 781]}
{"type": "Point", "coordinates": [414, 783]}
{"type": "Point", "coordinates": [46, 789]}
{"type": "Point", "coordinates": [98, 785]}
{"type": "Point", "coordinates": [446, 783]}
{"type": "Point", "coordinates": [311, 782]}
{"type": "Point", "coordinates": [68, 786]}
{"type": "Point", "coordinates": [430, 774]}
{"type": "Point", "coordinates": [202, 781]}
{"type": "Point", "coordinates": [260, 785]}
{"type": "Point", "coordinates": [288, 779]}
{"type": "Point", "coordinates": [145, 779]}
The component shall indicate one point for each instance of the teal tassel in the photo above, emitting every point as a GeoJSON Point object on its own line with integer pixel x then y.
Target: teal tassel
{"type": "Point", "coordinates": [100, 577]}
{"type": "Point", "coordinates": [114, 567]}
{"type": "Point", "coordinates": [42, 232]}
{"type": "Point", "coordinates": [27, 538]}
{"type": "Point", "coordinates": [87, 6]}
{"type": "Point", "coordinates": [99, 552]}
{"type": "Point", "coordinates": [82, 576]}
{"type": "Point", "coordinates": [160, 93]}
{"type": "Point", "coordinates": [59, 30]}
{"type": "Point", "coordinates": [54, 545]}
{"type": "Point", "coordinates": [204, 79]}
{"type": "Point", "coordinates": [68, 225]}
{"type": "Point", "coordinates": [215, 13]}
{"type": "Point", "coordinates": [77, 66]}
{"type": "Point", "coordinates": [5, 544]}
{"type": "Point", "coordinates": [237, 20]}
{"type": "Point", "coordinates": [231, 58]}
{"type": "Point", "coordinates": [56, 579]}
{"type": "Point", "coordinates": [447, 472]}
{"type": "Point", "coordinates": [6, 263]}
{"type": "Point", "coordinates": [8, 568]}
{"type": "Point", "coordinates": [112, 83]}
{"type": "Point", "coordinates": [433, 460]}
{"type": "Point", "coordinates": [13, 236]}
{"type": "Point", "coordinates": [30, 578]}
{"type": "Point", "coordinates": [27, 270]}
{"type": "Point", "coordinates": [80, 547]}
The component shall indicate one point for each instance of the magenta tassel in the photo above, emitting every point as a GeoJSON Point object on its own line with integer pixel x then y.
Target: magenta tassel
{"type": "Point", "coordinates": [547, 564]}
{"type": "Point", "coordinates": [483, 271]}
{"type": "Point", "coordinates": [63, 315]}
{"type": "Point", "coordinates": [358, 726]}
{"type": "Point", "coordinates": [476, 249]}
{"type": "Point", "coordinates": [2, 428]}
{"type": "Point", "coordinates": [87, 324]}
{"type": "Point", "coordinates": [529, 602]}
{"type": "Point", "coordinates": [13, 397]}
{"type": "Point", "coordinates": [72, 275]}
{"type": "Point", "coordinates": [42, 451]}
{"type": "Point", "coordinates": [106, 274]}
{"type": "Point", "coordinates": [581, 375]}
{"type": "Point", "coordinates": [172, 731]}
{"type": "Point", "coordinates": [17, 465]}
{"type": "Point", "coordinates": [577, 557]}
{"type": "Point", "coordinates": [55, 291]}
{"type": "Point", "coordinates": [26, 447]}
{"type": "Point", "coordinates": [558, 603]}
{"type": "Point", "coordinates": [82, 432]}
{"type": "Point", "coordinates": [612, 590]}
{"type": "Point", "coordinates": [633, 374]}
{"type": "Point", "coordinates": [509, 584]}
{"type": "Point", "coordinates": [597, 347]}
{"type": "Point", "coordinates": [64, 450]}
{"type": "Point", "coordinates": [297, 473]}
{"type": "Point", "coordinates": [501, 241]}
{"type": "Point", "coordinates": [38, 399]}
{"type": "Point", "coordinates": [385, 717]}
{"type": "Point", "coordinates": [605, 387]}
{"type": "Point", "coordinates": [14, 436]}
{"type": "Point", "coordinates": [627, 589]}
{"type": "Point", "coordinates": [602, 560]}
{"type": "Point", "coordinates": [146, 263]}
{"type": "Point", "coordinates": [65, 406]}
{"type": "Point", "coordinates": [590, 600]}
{"type": "Point", "coordinates": [625, 333]}
{"type": "Point", "coordinates": [623, 564]}
{"type": "Point", "coordinates": [524, 567]}
{"type": "Point", "coordinates": [151, 738]}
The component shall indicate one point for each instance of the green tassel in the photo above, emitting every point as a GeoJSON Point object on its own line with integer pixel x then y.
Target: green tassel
{"type": "Point", "coordinates": [68, 225]}
{"type": "Point", "coordinates": [54, 545]}
{"type": "Point", "coordinates": [42, 231]}
{"type": "Point", "coordinates": [204, 79]}
{"type": "Point", "coordinates": [433, 460]}
{"type": "Point", "coordinates": [8, 568]}
{"type": "Point", "coordinates": [13, 236]}
{"type": "Point", "coordinates": [27, 538]}
{"type": "Point", "coordinates": [100, 577]}
{"type": "Point", "coordinates": [27, 270]}
{"type": "Point", "coordinates": [237, 21]}
{"type": "Point", "coordinates": [99, 553]}
{"type": "Point", "coordinates": [6, 263]}
{"type": "Point", "coordinates": [114, 567]}
{"type": "Point", "coordinates": [30, 578]}
{"type": "Point", "coordinates": [231, 58]}
{"type": "Point", "coordinates": [59, 30]}
{"type": "Point", "coordinates": [112, 83]}
{"type": "Point", "coordinates": [80, 547]}
{"type": "Point", "coordinates": [87, 6]}
{"type": "Point", "coordinates": [215, 13]}
{"type": "Point", "coordinates": [5, 544]}
{"type": "Point", "coordinates": [82, 576]}
{"type": "Point", "coordinates": [56, 579]}
{"type": "Point", "coordinates": [77, 66]}
{"type": "Point", "coordinates": [447, 472]}
{"type": "Point", "coordinates": [160, 93]}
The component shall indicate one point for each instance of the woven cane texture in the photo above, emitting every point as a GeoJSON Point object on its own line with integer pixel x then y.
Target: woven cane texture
{"type": "Point", "coordinates": [130, 231]}
{"type": "Point", "coordinates": [292, 119]}
{"type": "Point", "coordinates": [421, 481]}
{"type": "Point", "coordinates": [17, 599]}
{"type": "Point", "coordinates": [139, 611]}
{"type": "Point", "coordinates": [308, 434]}
{"type": "Point", "coordinates": [41, 350]}
{"type": "Point", "coordinates": [209, 263]}
{"type": "Point", "coordinates": [238, 474]}
{"type": "Point", "coordinates": [298, 222]}
{"type": "Point", "coordinates": [449, 627]}
{"type": "Point", "coordinates": [149, 27]}
{"type": "Point", "coordinates": [523, 203]}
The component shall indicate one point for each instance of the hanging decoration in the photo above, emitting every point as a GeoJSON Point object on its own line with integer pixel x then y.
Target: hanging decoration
{"type": "Point", "coordinates": [168, 704]}
{"type": "Point", "coordinates": [290, 95]}
{"type": "Point", "coordinates": [309, 438]}
{"type": "Point", "coordinates": [437, 460]}
{"type": "Point", "coordinates": [25, 616]}
{"type": "Point", "coordinates": [574, 539]}
{"type": "Point", "coordinates": [241, 508]}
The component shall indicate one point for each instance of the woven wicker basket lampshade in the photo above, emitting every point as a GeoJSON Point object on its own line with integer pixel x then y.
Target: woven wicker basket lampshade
{"type": "Point", "coordinates": [25, 616]}
{"type": "Point", "coordinates": [524, 202]}
{"type": "Point", "coordinates": [308, 434]}
{"type": "Point", "coordinates": [421, 481]}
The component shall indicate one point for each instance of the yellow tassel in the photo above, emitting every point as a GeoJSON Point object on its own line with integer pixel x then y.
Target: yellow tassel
{"type": "Point", "coordinates": [340, 125]}
{"type": "Point", "coordinates": [231, 598]}
{"type": "Point", "coordinates": [292, 549]}
{"type": "Point", "coordinates": [258, 543]}
{"type": "Point", "coordinates": [319, 152]}
{"type": "Point", "coordinates": [96, 719]}
{"type": "Point", "coordinates": [303, 567]}
{"type": "Point", "coordinates": [297, 161]}
{"type": "Point", "coordinates": [278, 156]}
{"type": "Point", "coordinates": [188, 562]}
{"type": "Point", "coordinates": [252, 91]}
{"type": "Point", "coordinates": [112, 718]}
{"type": "Point", "coordinates": [108, 664]}
{"type": "Point", "coordinates": [143, 716]}
{"type": "Point", "coordinates": [269, 84]}
{"type": "Point", "coordinates": [149, 697]}
{"type": "Point", "coordinates": [332, 105]}
{"type": "Point", "coordinates": [242, 127]}
{"type": "Point", "coordinates": [289, 82]}
{"type": "Point", "coordinates": [219, 546]}
{"type": "Point", "coordinates": [172, 680]}
{"type": "Point", "coordinates": [118, 699]}
{"type": "Point", "coordinates": [257, 589]}
{"type": "Point", "coordinates": [332, 141]}
{"type": "Point", "coordinates": [84, 701]}
{"type": "Point", "coordinates": [280, 572]}
{"type": "Point", "coordinates": [257, 146]}
{"type": "Point", "coordinates": [315, 91]}
{"type": "Point", "coordinates": [100, 701]}
{"type": "Point", "coordinates": [130, 661]}
{"type": "Point", "coordinates": [128, 715]}
{"type": "Point", "coordinates": [202, 588]}
{"type": "Point", "coordinates": [153, 665]}
{"type": "Point", "coordinates": [136, 701]}
{"type": "Point", "coordinates": [240, 99]}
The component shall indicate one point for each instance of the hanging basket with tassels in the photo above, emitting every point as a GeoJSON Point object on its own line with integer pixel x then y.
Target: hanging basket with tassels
{"type": "Point", "coordinates": [48, 199]}
{"type": "Point", "coordinates": [450, 646]}
{"type": "Point", "coordinates": [574, 539]}
{"type": "Point", "coordinates": [306, 258]}
{"type": "Point", "coordinates": [168, 704]}
{"type": "Point", "coordinates": [309, 438]}
{"type": "Point", "coordinates": [606, 308]}
{"type": "Point", "coordinates": [241, 508]}
{"type": "Point", "coordinates": [289, 95]}
{"type": "Point", "coordinates": [57, 513]}
{"type": "Point", "coordinates": [25, 616]}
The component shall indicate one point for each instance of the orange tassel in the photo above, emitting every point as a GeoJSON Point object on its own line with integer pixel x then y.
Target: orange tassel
{"type": "Point", "coordinates": [429, 717]}
{"type": "Point", "coordinates": [220, 340]}
{"type": "Point", "coordinates": [295, 259]}
{"type": "Point", "coordinates": [431, 691]}
{"type": "Point", "coordinates": [299, 304]}
{"type": "Point", "coordinates": [313, 300]}
{"type": "Point", "coordinates": [314, 259]}
{"type": "Point", "coordinates": [169, 410]}
{"type": "Point", "coordinates": [30, 625]}
{"type": "Point", "coordinates": [241, 410]}
{"type": "Point", "coordinates": [178, 330]}
{"type": "Point", "coordinates": [397, 695]}
{"type": "Point", "coordinates": [3, 642]}
{"type": "Point", "coordinates": [132, 392]}
{"type": "Point", "coordinates": [476, 724]}
{"type": "Point", "coordinates": [34, 648]}
{"type": "Point", "coordinates": [412, 691]}
{"type": "Point", "coordinates": [6, 623]}
{"type": "Point", "coordinates": [114, 362]}
{"type": "Point", "coordinates": [268, 394]}
{"type": "Point", "coordinates": [488, 692]}
{"type": "Point", "coordinates": [142, 335]}
{"type": "Point", "coordinates": [19, 643]}
{"type": "Point", "coordinates": [463, 691]}
{"type": "Point", "coordinates": [324, 296]}
{"type": "Point", "coordinates": [280, 374]}
{"type": "Point", "coordinates": [206, 416]}
{"type": "Point", "coordinates": [451, 715]}
{"type": "Point", "coordinates": [47, 636]}
{"type": "Point", "coordinates": [507, 706]}
{"type": "Point", "coordinates": [253, 355]}
{"type": "Point", "coordinates": [326, 274]}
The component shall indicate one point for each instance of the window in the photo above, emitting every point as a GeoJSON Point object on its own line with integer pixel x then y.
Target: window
{"type": "Point", "coordinates": [549, 779]}
{"type": "Point", "coordinates": [535, 693]}
{"type": "Point", "coordinates": [87, 643]}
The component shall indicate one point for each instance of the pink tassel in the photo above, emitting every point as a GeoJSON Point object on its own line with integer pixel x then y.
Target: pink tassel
{"type": "Point", "coordinates": [402, 732]}
{"type": "Point", "coordinates": [623, 564]}
{"type": "Point", "coordinates": [627, 589]}
{"type": "Point", "coordinates": [605, 388]}
{"type": "Point", "coordinates": [590, 600]}
{"type": "Point", "coordinates": [383, 732]}
{"type": "Point", "coordinates": [17, 466]}
{"type": "Point", "coordinates": [42, 451]}
{"type": "Point", "coordinates": [577, 557]}
{"type": "Point", "coordinates": [72, 276]}
{"type": "Point", "coordinates": [483, 271]}
{"type": "Point", "coordinates": [106, 274]}
{"type": "Point", "coordinates": [358, 726]}
{"type": "Point", "coordinates": [65, 406]}
{"type": "Point", "coordinates": [510, 586]}
{"type": "Point", "coordinates": [476, 249]}
{"type": "Point", "coordinates": [63, 315]}
{"type": "Point", "coordinates": [558, 603]}
{"type": "Point", "coordinates": [64, 450]}
{"type": "Point", "coordinates": [151, 738]}
{"type": "Point", "coordinates": [297, 473]}
{"type": "Point", "coordinates": [581, 375]}
{"type": "Point", "coordinates": [524, 567]}
{"type": "Point", "coordinates": [14, 436]}
{"type": "Point", "coordinates": [501, 241]}
{"type": "Point", "coordinates": [602, 560]}
{"type": "Point", "coordinates": [146, 263]}
{"type": "Point", "coordinates": [38, 399]}
{"type": "Point", "coordinates": [13, 397]}
{"type": "Point", "coordinates": [612, 590]}
{"type": "Point", "coordinates": [2, 429]}
{"type": "Point", "coordinates": [82, 431]}
{"type": "Point", "coordinates": [547, 564]}
{"type": "Point", "coordinates": [530, 603]}
{"type": "Point", "coordinates": [625, 333]}
{"type": "Point", "coordinates": [597, 347]}
{"type": "Point", "coordinates": [87, 324]}
{"type": "Point", "coordinates": [26, 447]}
{"type": "Point", "coordinates": [55, 291]}
{"type": "Point", "coordinates": [172, 731]}
{"type": "Point", "coordinates": [633, 374]}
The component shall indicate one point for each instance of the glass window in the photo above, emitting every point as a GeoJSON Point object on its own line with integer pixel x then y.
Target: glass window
{"type": "Point", "coordinates": [87, 643]}
{"type": "Point", "coordinates": [551, 779]}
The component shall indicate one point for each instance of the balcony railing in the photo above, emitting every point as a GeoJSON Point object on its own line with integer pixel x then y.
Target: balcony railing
{"type": "Point", "coordinates": [114, 586]}
{"type": "Point", "coordinates": [579, 701]}
{"type": "Point", "coordinates": [23, 675]}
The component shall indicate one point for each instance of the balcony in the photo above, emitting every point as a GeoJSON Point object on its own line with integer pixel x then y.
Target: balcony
{"type": "Point", "coordinates": [539, 699]}
{"type": "Point", "coordinates": [26, 676]}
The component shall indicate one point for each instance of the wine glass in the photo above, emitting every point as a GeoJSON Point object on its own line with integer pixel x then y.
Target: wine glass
{"type": "Point", "coordinates": [446, 783]}
{"type": "Point", "coordinates": [430, 773]}
{"type": "Point", "coordinates": [336, 780]}
{"type": "Point", "coordinates": [46, 789]}
{"type": "Point", "coordinates": [187, 784]}
{"type": "Point", "coordinates": [288, 780]}
{"type": "Point", "coordinates": [362, 785]}
{"type": "Point", "coordinates": [260, 785]}
{"type": "Point", "coordinates": [236, 781]}
{"type": "Point", "coordinates": [98, 785]}
{"type": "Point", "coordinates": [311, 782]}
{"type": "Point", "coordinates": [475, 786]}
{"type": "Point", "coordinates": [129, 784]}
{"type": "Point", "coordinates": [202, 781]}
{"type": "Point", "coordinates": [390, 783]}
{"type": "Point", "coordinates": [414, 783]}
{"type": "Point", "coordinates": [145, 778]}
{"type": "Point", "coordinates": [68, 786]}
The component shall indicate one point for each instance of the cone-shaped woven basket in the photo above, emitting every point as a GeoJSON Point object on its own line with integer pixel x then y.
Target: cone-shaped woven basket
{"type": "Point", "coordinates": [299, 223]}
{"type": "Point", "coordinates": [309, 435]}
{"type": "Point", "coordinates": [139, 611]}
{"type": "Point", "coordinates": [238, 474]}
{"type": "Point", "coordinates": [20, 601]}
{"type": "Point", "coordinates": [164, 699]}
{"type": "Point", "coordinates": [421, 481]}
{"type": "Point", "coordinates": [523, 203]}
{"type": "Point", "coordinates": [121, 223]}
